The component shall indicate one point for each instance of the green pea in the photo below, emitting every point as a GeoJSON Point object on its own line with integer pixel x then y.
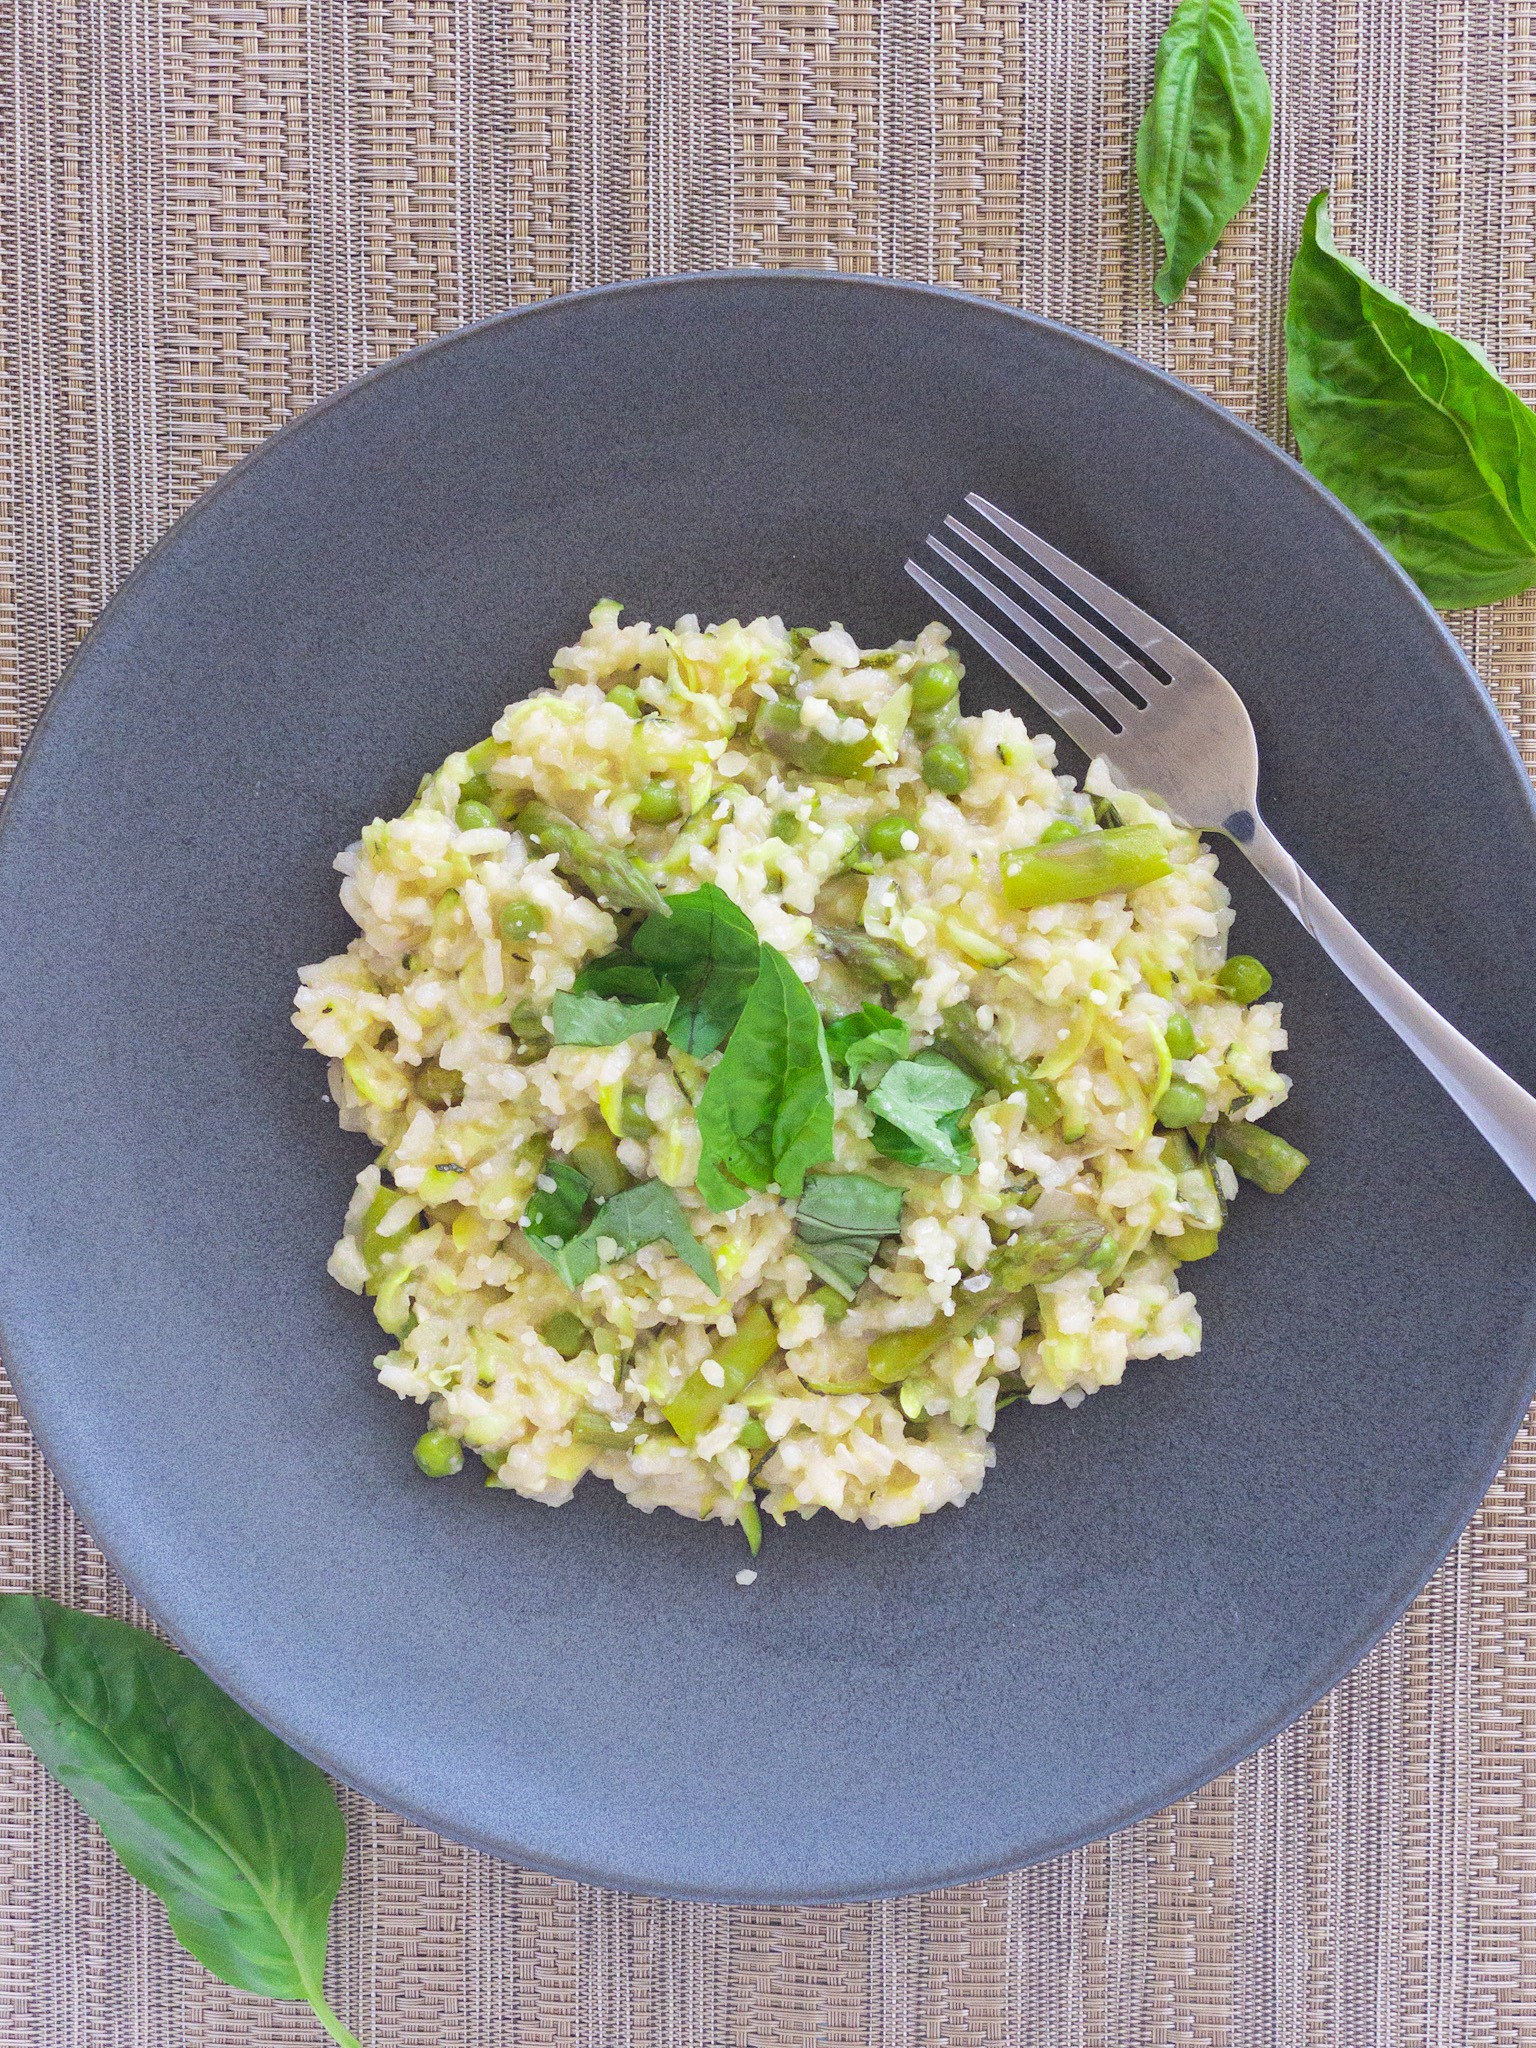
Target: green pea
{"type": "Point", "coordinates": [946, 769]}
{"type": "Point", "coordinates": [659, 803]}
{"type": "Point", "coordinates": [754, 1437]}
{"type": "Point", "coordinates": [439, 1454]}
{"type": "Point", "coordinates": [1180, 1105]}
{"type": "Point", "coordinates": [626, 700]}
{"type": "Point", "coordinates": [474, 817]}
{"type": "Point", "coordinates": [566, 1332]}
{"type": "Point", "coordinates": [886, 834]}
{"type": "Point", "coordinates": [439, 1086]}
{"type": "Point", "coordinates": [1059, 829]}
{"type": "Point", "coordinates": [1180, 1036]}
{"type": "Point", "coordinates": [520, 919]}
{"type": "Point", "coordinates": [633, 1120]}
{"type": "Point", "coordinates": [933, 684]}
{"type": "Point", "coordinates": [597, 1156]}
{"type": "Point", "coordinates": [1245, 979]}
{"type": "Point", "coordinates": [476, 789]}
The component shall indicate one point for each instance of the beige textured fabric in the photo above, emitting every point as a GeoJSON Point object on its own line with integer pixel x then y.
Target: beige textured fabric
{"type": "Point", "coordinates": [215, 211]}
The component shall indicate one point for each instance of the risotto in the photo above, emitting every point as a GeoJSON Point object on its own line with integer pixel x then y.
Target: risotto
{"type": "Point", "coordinates": [774, 1073]}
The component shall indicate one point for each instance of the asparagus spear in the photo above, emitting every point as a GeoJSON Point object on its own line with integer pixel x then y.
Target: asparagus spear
{"type": "Point", "coordinates": [599, 1434]}
{"type": "Point", "coordinates": [983, 1055]}
{"type": "Point", "coordinates": [749, 1516]}
{"type": "Point", "coordinates": [1192, 1243]}
{"type": "Point", "coordinates": [1092, 864]}
{"type": "Point", "coordinates": [780, 731]}
{"type": "Point", "coordinates": [702, 829]}
{"type": "Point", "coordinates": [1040, 1253]}
{"type": "Point", "coordinates": [980, 1052]}
{"type": "Point", "coordinates": [876, 961]}
{"type": "Point", "coordinates": [899, 1353]}
{"type": "Point", "coordinates": [1047, 1251]}
{"type": "Point", "coordinates": [612, 876]}
{"type": "Point", "coordinates": [738, 1361]}
{"type": "Point", "coordinates": [1259, 1155]}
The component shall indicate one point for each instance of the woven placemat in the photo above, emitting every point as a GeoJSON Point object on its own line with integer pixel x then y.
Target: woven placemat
{"type": "Point", "coordinates": [215, 211]}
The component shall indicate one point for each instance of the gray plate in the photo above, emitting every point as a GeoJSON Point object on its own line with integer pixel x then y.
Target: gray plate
{"type": "Point", "coordinates": [1146, 1588]}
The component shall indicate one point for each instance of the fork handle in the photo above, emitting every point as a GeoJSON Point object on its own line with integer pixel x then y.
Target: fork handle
{"type": "Point", "coordinates": [1498, 1106]}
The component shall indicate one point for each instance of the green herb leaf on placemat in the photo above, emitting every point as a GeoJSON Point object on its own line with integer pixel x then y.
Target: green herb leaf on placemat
{"type": "Point", "coordinates": [1202, 143]}
{"type": "Point", "coordinates": [1413, 429]}
{"type": "Point", "coordinates": [239, 1836]}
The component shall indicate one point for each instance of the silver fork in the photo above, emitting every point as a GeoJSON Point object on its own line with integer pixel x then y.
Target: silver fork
{"type": "Point", "coordinates": [1189, 741]}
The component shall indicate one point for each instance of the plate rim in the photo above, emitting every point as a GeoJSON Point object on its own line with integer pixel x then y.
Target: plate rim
{"type": "Point", "coordinates": [1406, 1586]}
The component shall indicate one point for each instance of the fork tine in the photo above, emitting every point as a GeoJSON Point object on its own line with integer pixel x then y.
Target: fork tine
{"type": "Point", "coordinates": [1118, 708]}
{"type": "Point", "coordinates": [1137, 676]}
{"type": "Point", "coordinates": [1150, 634]}
{"type": "Point", "coordinates": [1079, 723]}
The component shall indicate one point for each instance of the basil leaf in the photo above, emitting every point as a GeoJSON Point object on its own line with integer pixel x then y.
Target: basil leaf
{"type": "Point", "coordinates": [598, 1020]}
{"type": "Point", "coordinates": [617, 975]}
{"type": "Point", "coordinates": [241, 1838]}
{"type": "Point", "coordinates": [847, 1205]}
{"type": "Point", "coordinates": [839, 1224]}
{"type": "Point", "coordinates": [765, 1116]}
{"type": "Point", "coordinates": [867, 1035]}
{"type": "Point", "coordinates": [843, 1265]}
{"type": "Point", "coordinates": [1413, 429]}
{"type": "Point", "coordinates": [1205, 135]}
{"type": "Point", "coordinates": [955, 1153]}
{"type": "Point", "coordinates": [707, 950]}
{"type": "Point", "coordinates": [917, 1114]}
{"type": "Point", "coordinates": [647, 1214]}
{"type": "Point", "coordinates": [552, 1215]}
